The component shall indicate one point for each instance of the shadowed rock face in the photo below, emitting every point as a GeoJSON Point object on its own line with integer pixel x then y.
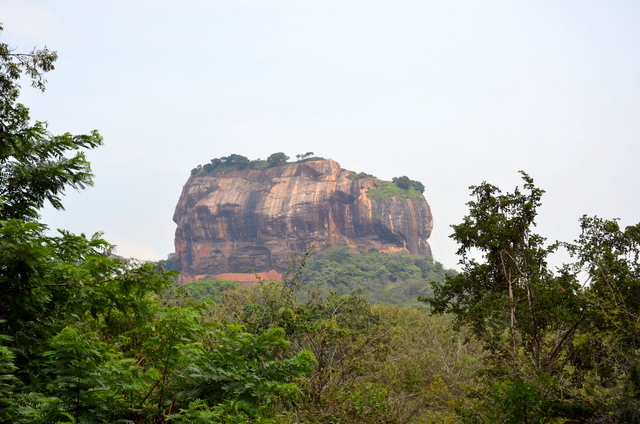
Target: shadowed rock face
{"type": "Point", "coordinates": [232, 221]}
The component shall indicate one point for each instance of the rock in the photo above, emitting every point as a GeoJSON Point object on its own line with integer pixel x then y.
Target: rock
{"type": "Point", "coordinates": [233, 223]}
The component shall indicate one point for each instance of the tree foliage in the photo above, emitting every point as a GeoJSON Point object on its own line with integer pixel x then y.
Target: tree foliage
{"type": "Point", "coordinates": [305, 156]}
{"type": "Point", "coordinates": [511, 292]}
{"type": "Point", "coordinates": [87, 337]}
{"type": "Point", "coordinates": [406, 183]}
{"type": "Point", "coordinates": [393, 278]}
{"type": "Point", "coordinates": [35, 166]}
{"type": "Point", "coordinates": [359, 175]}
{"type": "Point", "coordinates": [235, 161]}
{"type": "Point", "coordinates": [559, 348]}
{"type": "Point", "coordinates": [374, 363]}
{"type": "Point", "coordinates": [278, 158]}
{"type": "Point", "coordinates": [210, 290]}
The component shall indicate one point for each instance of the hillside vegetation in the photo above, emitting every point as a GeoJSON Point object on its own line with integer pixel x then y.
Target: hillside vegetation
{"type": "Point", "coordinates": [392, 278]}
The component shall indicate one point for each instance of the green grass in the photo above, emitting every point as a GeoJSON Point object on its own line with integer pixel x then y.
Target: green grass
{"type": "Point", "coordinates": [387, 189]}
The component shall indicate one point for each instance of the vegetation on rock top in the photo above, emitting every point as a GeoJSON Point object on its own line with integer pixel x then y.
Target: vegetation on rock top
{"type": "Point", "coordinates": [234, 162]}
{"type": "Point", "coordinates": [388, 189]}
{"type": "Point", "coordinates": [399, 187]}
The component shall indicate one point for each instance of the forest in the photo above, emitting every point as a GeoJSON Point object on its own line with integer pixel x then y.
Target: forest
{"type": "Point", "coordinates": [346, 337]}
{"type": "Point", "coordinates": [395, 278]}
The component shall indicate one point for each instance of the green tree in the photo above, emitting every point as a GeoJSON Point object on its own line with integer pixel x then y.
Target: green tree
{"type": "Point", "coordinates": [170, 263]}
{"type": "Point", "coordinates": [608, 352]}
{"type": "Point", "coordinates": [7, 378]}
{"type": "Point", "coordinates": [418, 186]}
{"type": "Point", "coordinates": [510, 298]}
{"type": "Point", "coordinates": [301, 157]}
{"type": "Point", "coordinates": [35, 165]}
{"type": "Point", "coordinates": [234, 159]}
{"type": "Point", "coordinates": [34, 64]}
{"type": "Point", "coordinates": [527, 316]}
{"type": "Point", "coordinates": [558, 348]}
{"type": "Point", "coordinates": [383, 277]}
{"type": "Point", "coordinates": [239, 375]}
{"type": "Point", "coordinates": [278, 158]}
{"type": "Point", "coordinates": [403, 182]}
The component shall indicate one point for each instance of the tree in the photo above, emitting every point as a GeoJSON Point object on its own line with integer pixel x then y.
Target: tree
{"type": "Point", "coordinates": [278, 158]}
{"type": "Point", "coordinates": [610, 257]}
{"type": "Point", "coordinates": [301, 157]}
{"type": "Point", "coordinates": [35, 166]}
{"type": "Point", "coordinates": [210, 290]}
{"type": "Point", "coordinates": [559, 348]}
{"type": "Point", "coordinates": [403, 182]}
{"type": "Point", "coordinates": [418, 186]}
{"type": "Point", "coordinates": [49, 282]}
{"type": "Point", "coordinates": [511, 292]}
{"type": "Point", "coordinates": [526, 316]}
{"type": "Point", "coordinates": [406, 183]}
{"type": "Point", "coordinates": [12, 66]}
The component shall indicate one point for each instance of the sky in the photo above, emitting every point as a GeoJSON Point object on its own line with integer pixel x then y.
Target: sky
{"type": "Point", "coordinates": [449, 93]}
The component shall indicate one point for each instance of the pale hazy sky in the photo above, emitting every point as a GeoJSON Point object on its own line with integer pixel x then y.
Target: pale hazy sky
{"type": "Point", "coordinates": [450, 93]}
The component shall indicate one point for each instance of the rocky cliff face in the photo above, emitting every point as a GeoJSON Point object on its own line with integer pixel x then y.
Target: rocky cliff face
{"type": "Point", "coordinates": [235, 221]}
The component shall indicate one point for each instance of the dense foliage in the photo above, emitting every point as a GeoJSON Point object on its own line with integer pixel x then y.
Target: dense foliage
{"type": "Point", "coordinates": [209, 290]}
{"type": "Point", "coordinates": [559, 347]}
{"type": "Point", "coordinates": [374, 363]}
{"type": "Point", "coordinates": [406, 183]}
{"type": "Point", "coordinates": [359, 175]}
{"type": "Point", "coordinates": [382, 277]}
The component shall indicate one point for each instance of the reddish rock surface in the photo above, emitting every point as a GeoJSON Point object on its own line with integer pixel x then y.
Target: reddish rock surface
{"type": "Point", "coordinates": [242, 221]}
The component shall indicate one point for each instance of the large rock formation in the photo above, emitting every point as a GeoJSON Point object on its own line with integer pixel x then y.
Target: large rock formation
{"type": "Point", "coordinates": [230, 223]}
